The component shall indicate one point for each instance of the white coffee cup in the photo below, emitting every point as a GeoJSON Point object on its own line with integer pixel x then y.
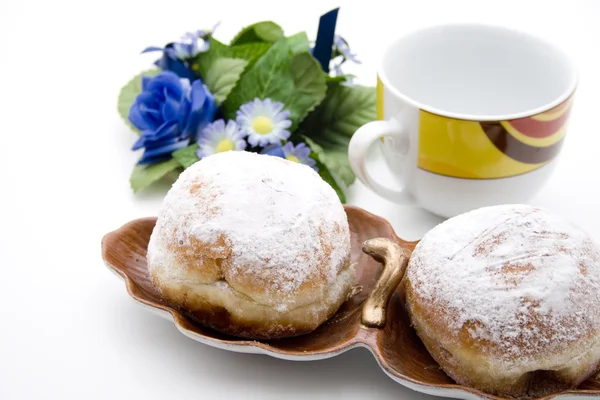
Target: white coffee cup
{"type": "Point", "coordinates": [469, 115]}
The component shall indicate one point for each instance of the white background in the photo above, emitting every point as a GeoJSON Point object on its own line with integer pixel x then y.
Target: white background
{"type": "Point", "coordinates": [68, 329]}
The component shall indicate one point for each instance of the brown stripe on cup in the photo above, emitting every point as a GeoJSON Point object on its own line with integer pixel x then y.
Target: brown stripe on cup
{"type": "Point", "coordinates": [516, 149]}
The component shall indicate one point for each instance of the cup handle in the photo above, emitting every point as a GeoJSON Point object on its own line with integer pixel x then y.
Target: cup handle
{"type": "Point", "coordinates": [394, 259]}
{"type": "Point", "coordinates": [359, 145]}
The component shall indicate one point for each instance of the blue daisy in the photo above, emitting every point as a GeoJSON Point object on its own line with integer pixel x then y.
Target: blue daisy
{"type": "Point", "coordinates": [219, 137]}
{"type": "Point", "coordinates": [300, 153]}
{"type": "Point", "coordinates": [264, 122]}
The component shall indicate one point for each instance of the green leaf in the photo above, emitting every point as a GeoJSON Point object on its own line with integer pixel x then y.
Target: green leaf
{"type": "Point", "coordinates": [335, 160]}
{"type": "Point", "coordinates": [186, 156]}
{"type": "Point", "coordinates": [128, 94]}
{"type": "Point", "coordinates": [143, 176]}
{"type": "Point", "coordinates": [299, 43]}
{"type": "Point", "coordinates": [329, 128]}
{"type": "Point", "coordinates": [250, 52]}
{"type": "Point", "coordinates": [222, 76]}
{"type": "Point", "coordinates": [335, 79]}
{"type": "Point", "coordinates": [265, 31]}
{"type": "Point", "coordinates": [308, 76]}
{"type": "Point", "coordinates": [278, 75]}
{"type": "Point", "coordinates": [203, 61]}
{"type": "Point", "coordinates": [328, 177]}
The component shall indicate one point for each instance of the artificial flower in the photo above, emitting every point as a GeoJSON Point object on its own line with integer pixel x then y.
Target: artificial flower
{"type": "Point", "coordinates": [218, 137]}
{"type": "Point", "coordinates": [169, 112]}
{"type": "Point", "coordinates": [341, 48]}
{"type": "Point", "coordinates": [175, 55]}
{"type": "Point", "coordinates": [190, 45]}
{"type": "Point", "coordinates": [300, 153]}
{"type": "Point", "coordinates": [207, 33]}
{"type": "Point", "coordinates": [170, 61]}
{"type": "Point", "coordinates": [264, 122]}
{"type": "Point", "coordinates": [341, 54]}
{"type": "Point", "coordinates": [275, 150]}
{"type": "Point", "coordinates": [193, 43]}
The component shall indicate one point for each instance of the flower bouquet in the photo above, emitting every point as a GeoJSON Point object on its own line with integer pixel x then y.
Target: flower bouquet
{"type": "Point", "coordinates": [263, 92]}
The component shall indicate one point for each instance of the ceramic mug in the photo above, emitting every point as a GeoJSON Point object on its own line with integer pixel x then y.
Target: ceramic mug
{"type": "Point", "coordinates": [468, 115]}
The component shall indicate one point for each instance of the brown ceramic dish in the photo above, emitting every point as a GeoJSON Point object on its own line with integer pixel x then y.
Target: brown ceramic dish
{"type": "Point", "coordinates": [396, 347]}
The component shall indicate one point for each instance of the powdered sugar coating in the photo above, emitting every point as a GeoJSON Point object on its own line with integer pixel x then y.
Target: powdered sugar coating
{"type": "Point", "coordinates": [279, 227]}
{"type": "Point", "coordinates": [517, 277]}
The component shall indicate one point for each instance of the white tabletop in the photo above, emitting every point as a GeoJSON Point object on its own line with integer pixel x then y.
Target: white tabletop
{"type": "Point", "coordinates": [69, 329]}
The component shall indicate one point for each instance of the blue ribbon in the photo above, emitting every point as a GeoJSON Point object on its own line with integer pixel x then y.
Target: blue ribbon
{"type": "Point", "coordinates": [324, 42]}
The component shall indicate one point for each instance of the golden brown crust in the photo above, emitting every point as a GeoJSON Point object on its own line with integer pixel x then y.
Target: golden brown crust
{"type": "Point", "coordinates": [197, 262]}
{"type": "Point", "coordinates": [222, 308]}
{"type": "Point", "coordinates": [202, 262]}
{"type": "Point", "coordinates": [467, 360]}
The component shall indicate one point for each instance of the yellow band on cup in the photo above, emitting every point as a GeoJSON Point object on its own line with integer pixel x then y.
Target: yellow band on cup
{"type": "Point", "coordinates": [489, 149]}
{"type": "Point", "coordinates": [379, 98]}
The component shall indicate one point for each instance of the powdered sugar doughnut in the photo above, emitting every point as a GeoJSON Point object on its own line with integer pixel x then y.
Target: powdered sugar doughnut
{"type": "Point", "coordinates": [252, 245]}
{"type": "Point", "coordinates": [507, 300]}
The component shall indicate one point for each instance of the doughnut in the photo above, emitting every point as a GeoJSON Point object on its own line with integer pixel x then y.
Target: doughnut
{"type": "Point", "coordinates": [253, 246]}
{"type": "Point", "coordinates": [506, 299]}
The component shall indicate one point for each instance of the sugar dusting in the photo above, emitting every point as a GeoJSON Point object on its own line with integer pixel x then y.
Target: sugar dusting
{"type": "Point", "coordinates": [515, 275]}
{"type": "Point", "coordinates": [282, 224]}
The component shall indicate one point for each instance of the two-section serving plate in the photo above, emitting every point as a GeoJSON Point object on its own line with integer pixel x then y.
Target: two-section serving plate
{"type": "Point", "coordinates": [396, 347]}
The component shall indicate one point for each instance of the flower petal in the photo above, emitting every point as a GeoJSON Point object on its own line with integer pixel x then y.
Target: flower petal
{"type": "Point", "coordinates": [275, 150]}
{"type": "Point", "coordinates": [163, 79]}
{"type": "Point", "coordinates": [167, 130]}
{"type": "Point", "coordinates": [208, 114]}
{"type": "Point", "coordinates": [284, 115]}
{"type": "Point", "coordinates": [284, 124]}
{"type": "Point", "coordinates": [203, 47]}
{"type": "Point", "coordinates": [276, 107]}
{"type": "Point", "coordinates": [149, 160]}
{"type": "Point", "coordinates": [151, 99]}
{"type": "Point", "coordinates": [169, 63]}
{"type": "Point", "coordinates": [151, 49]}
{"type": "Point", "coordinates": [139, 143]}
{"type": "Point", "coordinates": [167, 149]}
{"type": "Point", "coordinates": [169, 110]}
{"type": "Point", "coordinates": [245, 110]}
{"type": "Point", "coordinates": [205, 151]}
{"type": "Point", "coordinates": [136, 118]}
{"type": "Point", "coordinates": [183, 115]}
{"type": "Point", "coordinates": [288, 149]}
{"type": "Point", "coordinates": [282, 134]}
{"type": "Point", "coordinates": [240, 145]}
{"type": "Point", "coordinates": [198, 95]}
{"type": "Point", "coordinates": [145, 80]}
{"type": "Point", "coordinates": [167, 140]}
{"type": "Point", "coordinates": [302, 150]}
{"type": "Point", "coordinates": [166, 84]}
{"type": "Point", "coordinates": [252, 140]}
{"type": "Point", "coordinates": [152, 117]}
{"type": "Point", "coordinates": [202, 109]}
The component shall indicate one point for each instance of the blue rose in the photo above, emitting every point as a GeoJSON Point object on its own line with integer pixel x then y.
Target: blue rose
{"type": "Point", "coordinates": [169, 112]}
